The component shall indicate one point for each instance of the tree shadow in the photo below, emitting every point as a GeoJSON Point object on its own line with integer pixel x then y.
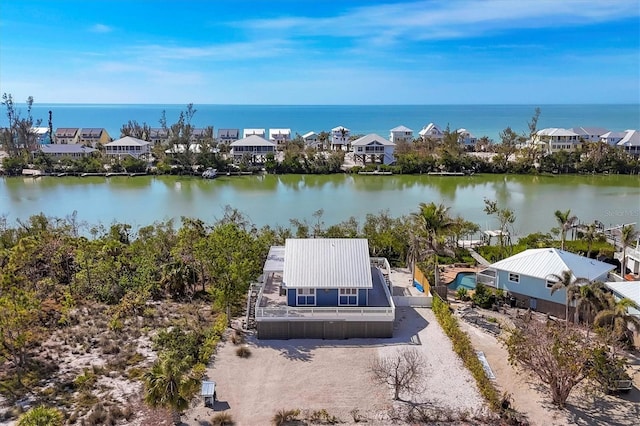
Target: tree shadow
{"type": "Point", "coordinates": [615, 410]}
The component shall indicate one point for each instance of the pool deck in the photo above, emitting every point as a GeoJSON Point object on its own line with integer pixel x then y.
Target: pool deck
{"type": "Point", "coordinates": [448, 273]}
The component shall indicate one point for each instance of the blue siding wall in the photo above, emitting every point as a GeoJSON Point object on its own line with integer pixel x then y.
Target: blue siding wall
{"type": "Point", "coordinates": [362, 296]}
{"type": "Point", "coordinates": [291, 297]}
{"type": "Point", "coordinates": [530, 286]}
{"type": "Point", "coordinates": [327, 297]}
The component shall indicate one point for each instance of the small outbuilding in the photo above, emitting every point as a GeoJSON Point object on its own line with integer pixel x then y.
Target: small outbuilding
{"type": "Point", "coordinates": [208, 393]}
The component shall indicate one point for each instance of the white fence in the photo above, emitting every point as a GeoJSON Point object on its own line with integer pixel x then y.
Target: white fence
{"type": "Point", "coordinates": [342, 313]}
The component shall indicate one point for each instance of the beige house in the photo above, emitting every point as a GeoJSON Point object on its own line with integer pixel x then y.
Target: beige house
{"type": "Point", "coordinates": [401, 134]}
{"type": "Point", "coordinates": [93, 136]}
{"type": "Point", "coordinates": [253, 146]}
{"type": "Point", "coordinates": [67, 135]}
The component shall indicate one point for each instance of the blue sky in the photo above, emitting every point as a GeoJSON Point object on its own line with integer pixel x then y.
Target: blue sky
{"type": "Point", "coordinates": [321, 52]}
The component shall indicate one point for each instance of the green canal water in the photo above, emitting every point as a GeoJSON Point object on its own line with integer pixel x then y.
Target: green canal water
{"type": "Point", "coordinates": [273, 200]}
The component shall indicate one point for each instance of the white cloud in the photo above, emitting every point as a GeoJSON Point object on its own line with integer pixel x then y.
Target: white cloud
{"type": "Point", "coordinates": [101, 29]}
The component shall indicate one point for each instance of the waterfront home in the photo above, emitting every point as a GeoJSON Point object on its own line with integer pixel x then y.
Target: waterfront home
{"type": "Point", "coordinates": [377, 148]}
{"type": "Point", "coordinates": [93, 136]}
{"type": "Point", "coordinates": [158, 135]}
{"type": "Point", "coordinates": [254, 147]}
{"type": "Point", "coordinates": [128, 145]}
{"type": "Point", "coordinates": [201, 135]}
{"type": "Point", "coordinates": [42, 135]}
{"type": "Point", "coordinates": [65, 151]}
{"type": "Point", "coordinates": [628, 290]}
{"type": "Point", "coordinates": [557, 139]}
{"type": "Point", "coordinates": [280, 136]}
{"type": "Point", "coordinates": [257, 132]}
{"type": "Point", "coordinates": [401, 134]}
{"type": "Point", "coordinates": [340, 138]}
{"type": "Point", "coordinates": [67, 135]}
{"type": "Point", "coordinates": [431, 131]}
{"type": "Point", "coordinates": [630, 143]}
{"type": "Point", "coordinates": [312, 139]}
{"type": "Point", "coordinates": [227, 136]}
{"type": "Point", "coordinates": [589, 134]}
{"type": "Point", "coordinates": [528, 276]}
{"type": "Point", "coordinates": [612, 138]}
{"type": "Point", "coordinates": [324, 288]}
{"type": "Point", "coordinates": [467, 139]}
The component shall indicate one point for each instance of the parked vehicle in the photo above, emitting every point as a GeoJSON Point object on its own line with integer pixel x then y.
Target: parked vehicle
{"type": "Point", "coordinates": [210, 173]}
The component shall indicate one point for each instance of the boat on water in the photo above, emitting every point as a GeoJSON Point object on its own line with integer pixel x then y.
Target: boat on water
{"type": "Point", "coordinates": [210, 173]}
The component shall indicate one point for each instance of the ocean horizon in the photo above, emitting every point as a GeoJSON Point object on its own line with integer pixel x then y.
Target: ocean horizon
{"type": "Point", "coordinates": [480, 119]}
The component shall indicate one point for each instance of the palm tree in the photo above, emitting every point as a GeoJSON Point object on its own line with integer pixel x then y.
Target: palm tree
{"type": "Point", "coordinates": [628, 236]}
{"type": "Point", "coordinates": [170, 384]}
{"type": "Point", "coordinates": [616, 317]}
{"type": "Point", "coordinates": [566, 222]}
{"type": "Point", "coordinates": [567, 282]}
{"type": "Point", "coordinates": [590, 298]}
{"type": "Point", "coordinates": [590, 235]}
{"type": "Point", "coordinates": [433, 221]}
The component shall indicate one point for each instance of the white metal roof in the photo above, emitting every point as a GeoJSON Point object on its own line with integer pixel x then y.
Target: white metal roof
{"type": "Point", "coordinates": [555, 131]}
{"type": "Point", "coordinates": [249, 132]}
{"type": "Point", "coordinates": [372, 138]}
{"type": "Point", "coordinates": [429, 129]}
{"type": "Point", "coordinates": [253, 140]}
{"type": "Point", "coordinates": [128, 141]}
{"type": "Point", "coordinates": [208, 388]}
{"type": "Point", "coordinates": [275, 260]}
{"type": "Point", "coordinates": [309, 134]}
{"type": "Point", "coordinates": [629, 290]}
{"type": "Point", "coordinates": [401, 129]}
{"type": "Point", "coordinates": [339, 129]}
{"type": "Point", "coordinates": [276, 132]}
{"type": "Point", "coordinates": [327, 263]}
{"type": "Point", "coordinates": [541, 263]}
{"type": "Point", "coordinates": [631, 138]}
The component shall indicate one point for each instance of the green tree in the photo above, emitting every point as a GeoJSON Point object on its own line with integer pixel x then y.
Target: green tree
{"type": "Point", "coordinates": [616, 318]}
{"type": "Point", "coordinates": [565, 222]}
{"type": "Point", "coordinates": [506, 219]}
{"type": "Point", "coordinates": [170, 384]}
{"type": "Point", "coordinates": [565, 281]}
{"type": "Point", "coordinates": [41, 416]}
{"type": "Point", "coordinates": [590, 299]}
{"type": "Point", "coordinates": [433, 221]}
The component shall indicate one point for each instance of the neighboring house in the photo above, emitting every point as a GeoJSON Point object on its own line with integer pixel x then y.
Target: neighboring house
{"type": "Point", "coordinates": [589, 134]}
{"type": "Point", "coordinates": [377, 148]}
{"type": "Point", "coordinates": [324, 289]}
{"type": "Point", "coordinates": [227, 136]}
{"type": "Point", "coordinates": [65, 151]}
{"type": "Point", "coordinates": [467, 139]}
{"type": "Point", "coordinates": [248, 132]}
{"type": "Point", "coordinates": [612, 138]}
{"type": "Point", "coordinates": [401, 134]}
{"type": "Point", "coordinates": [312, 139]}
{"type": "Point", "coordinates": [527, 276]}
{"type": "Point", "coordinates": [630, 143]}
{"type": "Point", "coordinates": [42, 135]}
{"type": "Point", "coordinates": [158, 136]}
{"type": "Point", "coordinates": [340, 138]}
{"type": "Point", "coordinates": [556, 139]}
{"type": "Point", "coordinates": [626, 290]}
{"type": "Point", "coordinates": [93, 136]}
{"type": "Point", "coordinates": [256, 147]}
{"type": "Point", "coordinates": [128, 145]}
{"type": "Point", "coordinates": [431, 131]}
{"type": "Point", "coordinates": [200, 135]}
{"type": "Point", "coordinates": [280, 136]}
{"type": "Point", "coordinates": [67, 135]}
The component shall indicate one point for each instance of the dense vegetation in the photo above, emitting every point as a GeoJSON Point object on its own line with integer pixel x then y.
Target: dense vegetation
{"type": "Point", "coordinates": [179, 155]}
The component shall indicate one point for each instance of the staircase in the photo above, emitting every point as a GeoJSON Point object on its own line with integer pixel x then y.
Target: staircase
{"type": "Point", "coordinates": [250, 321]}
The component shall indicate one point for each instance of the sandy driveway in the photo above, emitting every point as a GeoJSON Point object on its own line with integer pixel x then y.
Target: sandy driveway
{"type": "Point", "coordinates": [333, 375]}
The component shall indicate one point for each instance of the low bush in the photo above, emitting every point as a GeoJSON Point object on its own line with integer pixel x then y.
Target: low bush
{"type": "Point", "coordinates": [221, 419]}
{"type": "Point", "coordinates": [283, 416]}
{"type": "Point", "coordinates": [243, 352]}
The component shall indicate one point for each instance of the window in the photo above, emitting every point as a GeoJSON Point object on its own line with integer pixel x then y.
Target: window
{"type": "Point", "coordinates": [514, 278]}
{"type": "Point", "coordinates": [348, 296]}
{"type": "Point", "coordinates": [550, 284]}
{"type": "Point", "coordinates": [306, 296]}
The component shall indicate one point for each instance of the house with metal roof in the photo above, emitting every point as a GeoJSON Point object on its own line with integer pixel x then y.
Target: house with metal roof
{"type": "Point", "coordinates": [340, 138]}
{"type": "Point", "coordinates": [128, 145]}
{"type": "Point", "coordinates": [374, 147]}
{"type": "Point", "coordinates": [158, 135]}
{"type": "Point", "coordinates": [67, 135]}
{"type": "Point", "coordinates": [589, 134]}
{"type": "Point", "coordinates": [630, 142]}
{"type": "Point", "coordinates": [528, 276]}
{"type": "Point", "coordinates": [312, 139]}
{"type": "Point", "coordinates": [467, 139]}
{"type": "Point", "coordinates": [253, 146]}
{"type": "Point", "coordinates": [228, 136]}
{"type": "Point", "coordinates": [258, 132]}
{"type": "Point", "coordinates": [626, 290]}
{"type": "Point", "coordinates": [612, 138]}
{"type": "Point", "coordinates": [65, 151]}
{"type": "Point", "coordinates": [280, 136]}
{"type": "Point", "coordinates": [557, 139]}
{"type": "Point", "coordinates": [93, 136]}
{"type": "Point", "coordinates": [326, 288]}
{"type": "Point", "coordinates": [42, 135]}
{"type": "Point", "coordinates": [431, 131]}
{"type": "Point", "coordinates": [401, 134]}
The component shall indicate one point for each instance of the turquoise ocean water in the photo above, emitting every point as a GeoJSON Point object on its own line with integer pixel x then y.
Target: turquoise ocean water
{"type": "Point", "coordinates": [481, 120]}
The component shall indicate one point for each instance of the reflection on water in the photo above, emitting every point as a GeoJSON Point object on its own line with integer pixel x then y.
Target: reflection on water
{"type": "Point", "coordinates": [274, 199]}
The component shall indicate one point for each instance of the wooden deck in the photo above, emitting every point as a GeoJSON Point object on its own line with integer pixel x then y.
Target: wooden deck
{"type": "Point", "coordinates": [448, 273]}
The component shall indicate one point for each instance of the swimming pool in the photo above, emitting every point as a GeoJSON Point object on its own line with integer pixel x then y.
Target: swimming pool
{"type": "Point", "coordinates": [464, 279]}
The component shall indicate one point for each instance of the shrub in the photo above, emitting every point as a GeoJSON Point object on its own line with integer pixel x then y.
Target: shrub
{"type": "Point", "coordinates": [323, 416]}
{"type": "Point", "coordinates": [41, 416]}
{"type": "Point", "coordinates": [462, 293]}
{"type": "Point", "coordinates": [243, 352]}
{"type": "Point", "coordinates": [283, 416]}
{"type": "Point", "coordinates": [221, 419]}
{"type": "Point", "coordinates": [237, 337]}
